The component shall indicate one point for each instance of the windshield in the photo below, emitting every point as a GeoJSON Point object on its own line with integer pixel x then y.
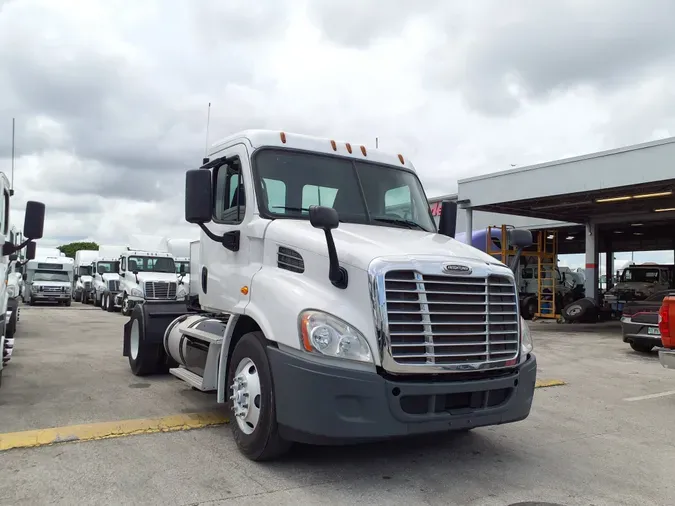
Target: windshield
{"type": "Point", "coordinates": [361, 192]}
{"type": "Point", "coordinates": [84, 271]}
{"type": "Point", "coordinates": [186, 267]}
{"type": "Point", "coordinates": [640, 275]}
{"type": "Point", "coordinates": [151, 264]}
{"type": "Point", "coordinates": [50, 276]}
{"type": "Point", "coordinates": [103, 267]}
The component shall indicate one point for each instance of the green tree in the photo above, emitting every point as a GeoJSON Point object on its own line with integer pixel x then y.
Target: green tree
{"type": "Point", "coordinates": [73, 247]}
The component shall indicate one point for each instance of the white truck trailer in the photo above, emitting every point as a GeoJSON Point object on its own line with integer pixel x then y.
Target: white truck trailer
{"type": "Point", "coordinates": [106, 276]}
{"type": "Point", "coordinates": [380, 328]}
{"type": "Point", "coordinates": [84, 288]}
{"type": "Point", "coordinates": [33, 227]}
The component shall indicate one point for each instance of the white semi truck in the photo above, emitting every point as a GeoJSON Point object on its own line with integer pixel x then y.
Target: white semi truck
{"type": "Point", "coordinates": [33, 227]}
{"type": "Point", "coordinates": [180, 249]}
{"type": "Point", "coordinates": [107, 278]}
{"type": "Point", "coordinates": [84, 289]}
{"type": "Point", "coordinates": [337, 322]}
{"type": "Point", "coordinates": [50, 279]}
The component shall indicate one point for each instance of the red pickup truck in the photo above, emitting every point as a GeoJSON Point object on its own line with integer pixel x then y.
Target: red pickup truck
{"type": "Point", "coordinates": [667, 330]}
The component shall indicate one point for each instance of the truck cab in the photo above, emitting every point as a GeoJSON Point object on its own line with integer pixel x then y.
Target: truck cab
{"type": "Point", "coordinates": [106, 282]}
{"type": "Point", "coordinates": [83, 290]}
{"type": "Point", "coordinates": [637, 282]}
{"type": "Point", "coordinates": [147, 275]}
{"type": "Point", "coordinates": [330, 308]}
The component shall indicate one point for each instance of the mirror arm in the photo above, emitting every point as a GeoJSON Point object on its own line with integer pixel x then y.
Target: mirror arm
{"type": "Point", "coordinates": [336, 273]}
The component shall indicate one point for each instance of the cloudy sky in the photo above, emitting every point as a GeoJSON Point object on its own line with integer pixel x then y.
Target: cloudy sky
{"type": "Point", "coordinates": [110, 97]}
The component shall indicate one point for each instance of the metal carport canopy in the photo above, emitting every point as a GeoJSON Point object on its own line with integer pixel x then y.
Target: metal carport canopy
{"type": "Point", "coordinates": [629, 184]}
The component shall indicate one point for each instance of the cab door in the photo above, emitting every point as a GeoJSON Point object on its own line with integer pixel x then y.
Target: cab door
{"type": "Point", "coordinates": [224, 273]}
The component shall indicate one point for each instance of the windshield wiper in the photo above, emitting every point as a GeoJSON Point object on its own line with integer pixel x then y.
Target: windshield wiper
{"type": "Point", "coordinates": [400, 221]}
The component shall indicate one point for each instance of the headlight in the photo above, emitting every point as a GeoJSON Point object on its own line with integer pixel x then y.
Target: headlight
{"type": "Point", "coordinates": [34, 288]}
{"type": "Point", "coordinates": [137, 292]}
{"type": "Point", "coordinates": [526, 344]}
{"type": "Point", "coordinates": [330, 336]}
{"type": "Point", "coordinates": [182, 292]}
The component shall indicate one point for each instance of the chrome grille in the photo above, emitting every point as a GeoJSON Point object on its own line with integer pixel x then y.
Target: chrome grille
{"type": "Point", "coordinates": [87, 285]}
{"type": "Point", "coordinates": [160, 290]}
{"type": "Point", "coordinates": [52, 289]}
{"type": "Point", "coordinates": [451, 320]}
{"type": "Point", "coordinates": [114, 285]}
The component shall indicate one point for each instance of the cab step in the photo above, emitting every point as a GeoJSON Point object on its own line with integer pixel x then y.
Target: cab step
{"type": "Point", "coordinates": [191, 378]}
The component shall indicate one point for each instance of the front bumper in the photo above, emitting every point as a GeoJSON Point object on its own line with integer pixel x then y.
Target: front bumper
{"type": "Point", "coordinates": [323, 404]}
{"type": "Point", "coordinates": [51, 297]}
{"type": "Point", "coordinates": [667, 358]}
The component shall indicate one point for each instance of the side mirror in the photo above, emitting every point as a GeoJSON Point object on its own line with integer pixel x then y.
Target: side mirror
{"type": "Point", "coordinates": [23, 276]}
{"type": "Point", "coordinates": [135, 273]}
{"type": "Point", "coordinates": [181, 269]}
{"type": "Point", "coordinates": [13, 257]}
{"type": "Point", "coordinates": [34, 221]}
{"type": "Point", "coordinates": [30, 250]}
{"type": "Point", "coordinates": [325, 218]}
{"type": "Point", "coordinates": [76, 277]}
{"type": "Point", "coordinates": [448, 222]}
{"type": "Point", "coordinates": [198, 196]}
{"type": "Point", "coordinates": [520, 238]}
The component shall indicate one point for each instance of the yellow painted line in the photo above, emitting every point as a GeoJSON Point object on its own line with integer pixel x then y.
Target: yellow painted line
{"type": "Point", "coordinates": [549, 383]}
{"type": "Point", "coordinates": [107, 430]}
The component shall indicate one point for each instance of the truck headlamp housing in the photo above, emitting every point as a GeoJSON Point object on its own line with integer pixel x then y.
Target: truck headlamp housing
{"type": "Point", "coordinates": [136, 292]}
{"type": "Point", "coordinates": [327, 335]}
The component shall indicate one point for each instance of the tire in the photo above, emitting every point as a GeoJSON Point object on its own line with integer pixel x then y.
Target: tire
{"type": "Point", "coordinates": [125, 301]}
{"type": "Point", "coordinates": [103, 302]}
{"type": "Point", "coordinates": [529, 308]}
{"type": "Point", "coordinates": [579, 310]}
{"type": "Point", "coordinates": [109, 303]}
{"type": "Point", "coordinates": [97, 301]}
{"type": "Point", "coordinates": [642, 348]}
{"type": "Point", "coordinates": [144, 359]}
{"type": "Point", "coordinates": [11, 328]}
{"type": "Point", "coordinates": [69, 303]}
{"type": "Point", "coordinates": [260, 441]}
{"type": "Point", "coordinates": [78, 296]}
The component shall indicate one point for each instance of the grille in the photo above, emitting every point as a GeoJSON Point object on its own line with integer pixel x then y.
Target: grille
{"type": "Point", "coordinates": [87, 285]}
{"type": "Point", "coordinates": [451, 320]}
{"type": "Point", "coordinates": [160, 290]}
{"type": "Point", "coordinates": [52, 289]}
{"type": "Point", "coordinates": [290, 260]}
{"type": "Point", "coordinates": [114, 285]}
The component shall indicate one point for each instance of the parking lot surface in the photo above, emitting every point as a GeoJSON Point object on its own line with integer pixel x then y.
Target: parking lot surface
{"type": "Point", "coordinates": [603, 438]}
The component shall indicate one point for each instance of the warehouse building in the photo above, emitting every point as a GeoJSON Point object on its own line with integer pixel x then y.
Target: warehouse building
{"type": "Point", "coordinates": [610, 201]}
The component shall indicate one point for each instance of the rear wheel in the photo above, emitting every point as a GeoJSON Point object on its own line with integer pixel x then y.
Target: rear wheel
{"type": "Point", "coordinates": [641, 347]}
{"type": "Point", "coordinates": [144, 358]}
{"type": "Point", "coordinates": [252, 401]}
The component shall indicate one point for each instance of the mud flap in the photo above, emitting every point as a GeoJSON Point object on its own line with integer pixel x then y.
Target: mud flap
{"type": "Point", "coordinates": [156, 317]}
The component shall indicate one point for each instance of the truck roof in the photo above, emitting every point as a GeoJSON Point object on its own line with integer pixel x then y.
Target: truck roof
{"type": "Point", "coordinates": [278, 139]}
{"type": "Point", "coordinates": [138, 252]}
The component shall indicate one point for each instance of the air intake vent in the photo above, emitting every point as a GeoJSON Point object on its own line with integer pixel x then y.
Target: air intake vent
{"type": "Point", "coordinates": [290, 260]}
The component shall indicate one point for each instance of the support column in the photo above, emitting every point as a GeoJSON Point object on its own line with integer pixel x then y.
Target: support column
{"type": "Point", "coordinates": [609, 264]}
{"type": "Point", "coordinates": [592, 261]}
{"type": "Point", "coordinates": [469, 226]}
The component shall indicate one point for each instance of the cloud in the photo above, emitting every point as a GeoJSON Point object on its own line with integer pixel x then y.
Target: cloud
{"type": "Point", "coordinates": [110, 98]}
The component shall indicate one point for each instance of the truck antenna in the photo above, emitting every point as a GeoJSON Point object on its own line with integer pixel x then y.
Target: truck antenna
{"type": "Point", "coordinates": [11, 186]}
{"type": "Point", "coordinates": [208, 121]}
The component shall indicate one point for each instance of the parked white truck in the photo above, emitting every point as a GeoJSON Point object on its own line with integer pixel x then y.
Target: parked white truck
{"type": "Point", "coordinates": [380, 328]}
{"type": "Point", "coordinates": [180, 249]}
{"type": "Point", "coordinates": [50, 279]}
{"type": "Point", "coordinates": [107, 278]}
{"type": "Point", "coordinates": [32, 230]}
{"type": "Point", "coordinates": [84, 290]}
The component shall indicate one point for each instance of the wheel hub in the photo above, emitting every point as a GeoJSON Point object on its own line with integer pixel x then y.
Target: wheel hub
{"type": "Point", "coordinates": [246, 395]}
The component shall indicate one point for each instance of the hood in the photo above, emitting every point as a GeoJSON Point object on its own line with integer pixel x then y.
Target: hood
{"type": "Point", "coordinates": [358, 245]}
{"type": "Point", "coordinates": [633, 285]}
{"type": "Point", "coordinates": [112, 276]}
{"type": "Point", "coordinates": [156, 276]}
{"type": "Point", "coordinates": [85, 279]}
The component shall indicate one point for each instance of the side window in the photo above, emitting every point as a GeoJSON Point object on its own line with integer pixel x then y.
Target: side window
{"type": "Point", "coordinates": [123, 264]}
{"type": "Point", "coordinates": [4, 213]}
{"type": "Point", "coordinates": [230, 197]}
{"type": "Point", "coordinates": [318, 196]}
{"type": "Point", "coordinates": [397, 201]}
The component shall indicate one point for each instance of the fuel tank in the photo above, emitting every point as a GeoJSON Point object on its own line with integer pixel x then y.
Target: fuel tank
{"type": "Point", "coordinates": [188, 350]}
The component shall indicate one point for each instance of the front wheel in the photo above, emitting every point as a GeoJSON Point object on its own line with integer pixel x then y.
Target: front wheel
{"type": "Point", "coordinates": [126, 305]}
{"type": "Point", "coordinates": [252, 402]}
{"type": "Point", "coordinates": [109, 303]}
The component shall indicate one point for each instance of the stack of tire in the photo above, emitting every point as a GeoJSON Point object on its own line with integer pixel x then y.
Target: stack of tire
{"type": "Point", "coordinates": [581, 311]}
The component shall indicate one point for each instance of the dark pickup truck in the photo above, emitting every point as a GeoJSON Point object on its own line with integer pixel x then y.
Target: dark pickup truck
{"type": "Point", "coordinates": [640, 322]}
